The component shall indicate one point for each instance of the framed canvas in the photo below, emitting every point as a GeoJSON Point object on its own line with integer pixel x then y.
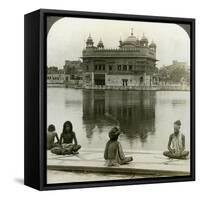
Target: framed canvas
{"type": "Point", "coordinates": [109, 99]}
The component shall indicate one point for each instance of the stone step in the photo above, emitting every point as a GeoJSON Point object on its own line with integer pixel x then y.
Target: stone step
{"type": "Point", "coordinates": [148, 163]}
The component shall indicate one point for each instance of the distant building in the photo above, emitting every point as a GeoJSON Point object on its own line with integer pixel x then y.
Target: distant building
{"type": "Point", "coordinates": [52, 70]}
{"type": "Point", "coordinates": [74, 69]}
{"type": "Point", "coordinates": [56, 76]}
{"type": "Point", "coordinates": [132, 64]}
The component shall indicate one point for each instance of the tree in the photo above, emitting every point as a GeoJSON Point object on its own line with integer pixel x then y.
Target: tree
{"type": "Point", "coordinates": [172, 73]}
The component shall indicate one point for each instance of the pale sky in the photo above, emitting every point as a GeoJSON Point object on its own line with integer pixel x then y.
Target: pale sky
{"type": "Point", "coordinates": [66, 38]}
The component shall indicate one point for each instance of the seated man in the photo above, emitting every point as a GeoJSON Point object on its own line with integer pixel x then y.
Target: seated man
{"type": "Point", "coordinates": [51, 135]}
{"type": "Point", "coordinates": [68, 141]}
{"type": "Point", "coordinates": [176, 144]}
{"type": "Point", "coordinates": [113, 153]}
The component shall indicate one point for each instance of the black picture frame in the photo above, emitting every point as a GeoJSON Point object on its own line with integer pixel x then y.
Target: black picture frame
{"type": "Point", "coordinates": [35, 41]}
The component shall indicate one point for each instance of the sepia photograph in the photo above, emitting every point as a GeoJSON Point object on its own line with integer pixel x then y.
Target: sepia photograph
{"type": "Point", "coordinates": [118, 100]}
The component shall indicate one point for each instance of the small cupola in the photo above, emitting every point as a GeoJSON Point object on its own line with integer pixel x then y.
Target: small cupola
{"type": "Point", "coordinates": [89, 42]}
{"type": "Point", "coordinates": [100, 44]}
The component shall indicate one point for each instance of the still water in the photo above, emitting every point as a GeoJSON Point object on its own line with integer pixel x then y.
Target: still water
{"type": "Point", "coordinates": [145, 117]}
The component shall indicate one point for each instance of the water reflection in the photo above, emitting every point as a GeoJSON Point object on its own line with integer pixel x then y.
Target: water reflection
{"type": "Point", "coordinates": [132, 111]}
{"type": "Point", "coordinates": [146, 118]}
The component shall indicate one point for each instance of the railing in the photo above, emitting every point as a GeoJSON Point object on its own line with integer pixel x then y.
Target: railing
{"type": "Point", "coordinates": [139, 87]}
{"type": "Point", "coordinates": [145, 52]}
{"type": "Point", "coordinates": [135, 87]}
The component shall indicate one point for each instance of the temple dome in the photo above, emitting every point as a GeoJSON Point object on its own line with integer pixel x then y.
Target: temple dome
{"type": "Point", "coordinates": [100, 44]}
{"type": "Point", "coordinates": [144, 38]}
{"type": "Point", "coordinates": [152, 45]}
{"type": "Point", "coordinates": [137, 41]}
{"type": "Point", "coordinates": [130, 41]}
{"type": "Point", "coordinates": [89, 41]}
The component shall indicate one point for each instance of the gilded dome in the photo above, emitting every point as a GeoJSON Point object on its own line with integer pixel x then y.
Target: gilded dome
{"type": "Point", "coordinates": [144, 38]}
{"type": "Point", "coordinates": [130, 41]}
{"type": "Point", "coordinates": [152, 45]}
{"type": "Point", "coordinates": [100, 44]}
{"type": "Point", "coordinates": [89, 39]}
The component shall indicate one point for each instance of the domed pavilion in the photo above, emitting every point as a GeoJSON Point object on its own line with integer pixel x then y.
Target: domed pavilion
{"type": "Point", "coordinates": [132, 64]}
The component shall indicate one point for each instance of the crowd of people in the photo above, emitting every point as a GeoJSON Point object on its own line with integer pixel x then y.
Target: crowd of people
{"type": "Point", "coordinates": [67, 144]}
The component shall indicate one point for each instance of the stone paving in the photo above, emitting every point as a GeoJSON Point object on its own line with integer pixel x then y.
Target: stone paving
{"type": "Point", "coordinates": [56, 176]}
{"type": "Point", "coordinates": [145, 164]}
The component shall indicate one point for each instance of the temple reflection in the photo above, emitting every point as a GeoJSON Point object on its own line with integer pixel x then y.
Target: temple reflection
{"type": "Point", "coordinates": [132, 111]}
